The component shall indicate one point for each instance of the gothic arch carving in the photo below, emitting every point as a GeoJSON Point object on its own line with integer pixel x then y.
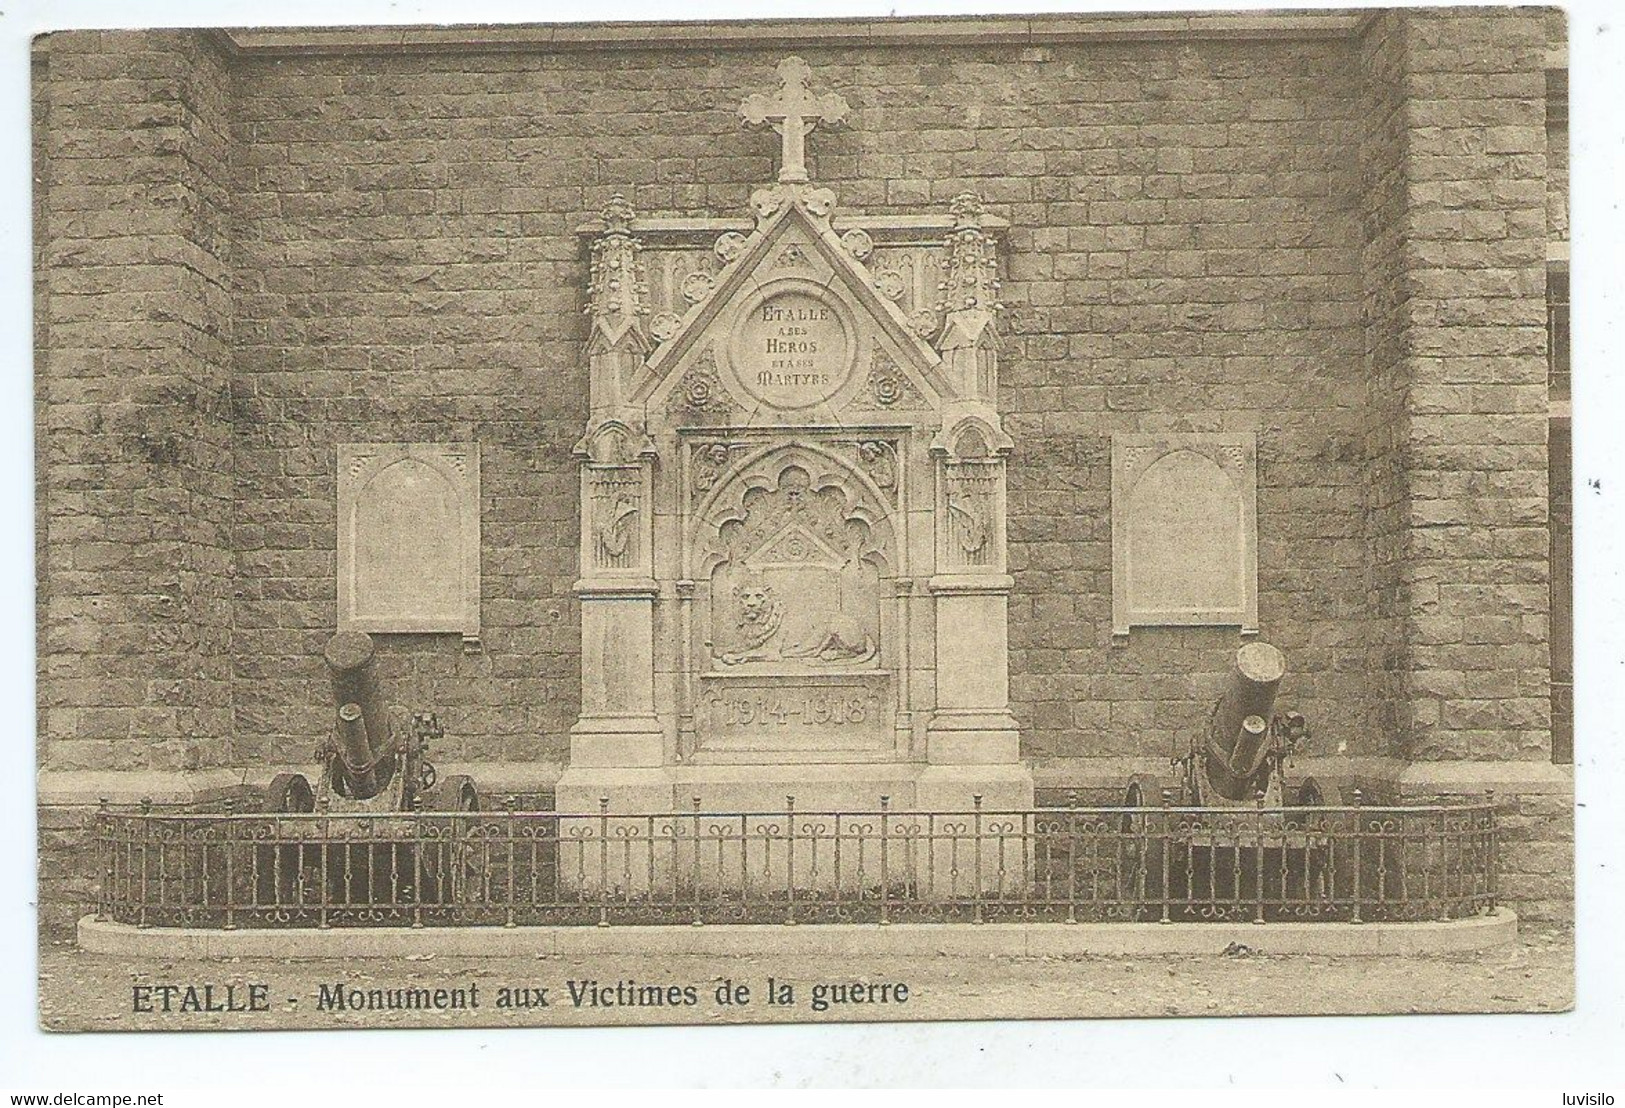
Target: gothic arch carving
{"type": "Point", "coordinates": [792, 549]}
{"type": "Point", "coordinates": [762, 473]}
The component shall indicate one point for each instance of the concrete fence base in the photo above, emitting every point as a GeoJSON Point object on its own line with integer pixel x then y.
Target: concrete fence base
{"type": "Point", "coordinates": [746, 940]}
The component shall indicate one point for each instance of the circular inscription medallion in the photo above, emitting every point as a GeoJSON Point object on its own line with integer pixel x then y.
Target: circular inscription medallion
{"type": "Point", "coordinates": [792, 349]}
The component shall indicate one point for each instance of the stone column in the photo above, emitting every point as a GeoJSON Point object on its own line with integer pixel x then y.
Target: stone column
{"type": "Point", "coordinates": [617, 745]}
{"type": "Point", "coordinates": [972, 743]}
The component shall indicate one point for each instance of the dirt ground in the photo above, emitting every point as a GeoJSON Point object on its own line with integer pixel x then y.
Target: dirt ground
{"type": "Point", "coordinates": [87, 992]}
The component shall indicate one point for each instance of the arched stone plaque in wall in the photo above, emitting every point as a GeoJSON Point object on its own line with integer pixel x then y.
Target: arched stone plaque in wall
{"type": "Point", "coordinates": [1184, 531]}
{"type": "Point", "coordinates": [409, 538]}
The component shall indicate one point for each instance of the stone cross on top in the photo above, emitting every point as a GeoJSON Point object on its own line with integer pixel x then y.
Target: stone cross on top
{"type": "Point", "coordinates": [794, 112]}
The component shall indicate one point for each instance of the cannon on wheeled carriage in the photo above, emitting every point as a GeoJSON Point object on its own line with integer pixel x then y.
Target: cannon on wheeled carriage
{"type": "Point", "coordinates": [1233, 824]}
{"type": "Point", "coordinates": [1242, 757]}
{"type": "Point", "coordinates": [373, 764]}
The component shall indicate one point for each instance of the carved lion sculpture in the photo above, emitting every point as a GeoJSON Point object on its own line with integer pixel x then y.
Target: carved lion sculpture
{"type": "Point", "coordinates": [760, 617]}
{"type": "Point", "coordinates": [762, 634]}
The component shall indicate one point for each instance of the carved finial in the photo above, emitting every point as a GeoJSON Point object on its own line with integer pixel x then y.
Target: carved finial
{"type": "Point", "coordinates": [966, 208]}
{"type": "Point", "coordinates": [970, 301]}
{"type": "Point", "coordinates": [618, 292]}
{"type": "Point", "coordinates": [971, 282]}
{"type": "Point", "coordinates": [618, 215]}
{"type": "Point", "coordinates": [794, 113]}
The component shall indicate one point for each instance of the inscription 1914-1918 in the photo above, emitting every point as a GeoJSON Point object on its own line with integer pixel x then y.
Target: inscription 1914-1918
{"type": "Point", "coordinates": [838, 708]}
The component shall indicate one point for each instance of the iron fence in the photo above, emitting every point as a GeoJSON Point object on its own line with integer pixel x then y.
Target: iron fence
{"type": "Point", "coordinates": [1064, 865]}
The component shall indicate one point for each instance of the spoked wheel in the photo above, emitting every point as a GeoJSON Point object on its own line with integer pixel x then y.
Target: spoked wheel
{"type": "Point", "coordinates": [1316, 858]}
{"type": "Point", "coordinates": [282, 869]}
{"type": "Point", "coordinates": [452, 794]}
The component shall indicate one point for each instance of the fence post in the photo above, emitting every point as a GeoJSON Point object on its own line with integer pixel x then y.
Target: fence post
{"type": "Point", "coordinates": [1167, 845]}
{"type": "Point", "coordinates": [1492, 861]}
{"type": "Point", "coordinates": [146, 860]}
{"type": "Point", "coordinates": [509, 806]}
{"type": "Point", "coordinates": [418, 845]}
{"type": "Point", "coordinates": [699, 918]}
{"type": "Point", "coordinates": [104, 858]}
{"type": "Point", "coordinates": [230, 849]}
{"type": "Point", "coordinates": [1359, 838]}
{"type": "Point", "coordinates": [603, 861]}
{"type": "Point", "coordinates": [976, 873]}
{"type": "Point", "coordinates": [790, 857]}
{"type": "Point", "coordinates": [1258, 847]}
{"type": "Point", "coordinates": [1073, 844]}
{"type": "Point", "coordinates": [885, 877]}
{"type": "Point", "coordinates": [321, 877]}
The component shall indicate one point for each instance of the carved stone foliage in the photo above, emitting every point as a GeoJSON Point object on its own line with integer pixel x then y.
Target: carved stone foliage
{"type": "Point", "coordinates": [409, 537]}
{"type": "Point", "coordinates": [858, 243]}
{"type": "Point", "coordinates": [618, 284]}
{"type": "Point", "coordinates": [1184, 531]}
{"type": "Point", "coordinates": [970, 279]}
{"type": "Point", "coordinates": [796, 549]}
{"type": "Point", "coordinates": [616, 510]}
{"type": "Point", "coordinates": [728, 246]}
{"type": "Point", "coordinates": [674, 274]}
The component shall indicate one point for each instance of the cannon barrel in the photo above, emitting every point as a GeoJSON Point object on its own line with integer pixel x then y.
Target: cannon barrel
{"type": "Point", "coordinates": [1236, 738]}
{"type": "Point", "coordinates": [365, 759]}
{"type": "Point", "coordinates": [355, 753]}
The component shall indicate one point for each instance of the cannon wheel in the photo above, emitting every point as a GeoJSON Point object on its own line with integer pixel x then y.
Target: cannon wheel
{"type": "Point", "coordinates": [1140, 854]}
{"type": "Point", "coordinates": [451, 867]}
{"type": "Point", "coordinates": [289, 792]}
{"type": "Point", "coordinates": [452, 794]}
{"type": "Point", "coordinates": [1142, 792]}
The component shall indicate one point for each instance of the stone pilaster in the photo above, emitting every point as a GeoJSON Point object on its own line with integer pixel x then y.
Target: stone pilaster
{"type": "Point", "coordinates": [1473, 349]}
{"type": "Point", "coordinates": [617, 744]}
{"type": "Point", "coordinates": [136, 484]}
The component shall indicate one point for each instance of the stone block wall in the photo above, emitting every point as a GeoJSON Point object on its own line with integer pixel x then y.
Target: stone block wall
{"type": "Point", "coordinates": [134, 371]}
{"type": "Point", "coordinates": [1336, 242]}
{"type": "Point", "coordinates": [1474, 350]}
{"type": "Point", "coordinates": [1537, 855]}
{"type": "Point", "coordinates": [1184, 256]}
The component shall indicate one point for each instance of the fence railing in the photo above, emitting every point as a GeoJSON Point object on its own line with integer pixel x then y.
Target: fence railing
{"type": "Point", "coordinates": [1063, 865]}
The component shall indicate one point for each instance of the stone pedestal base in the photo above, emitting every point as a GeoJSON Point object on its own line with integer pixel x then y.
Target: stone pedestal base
{"type": "Point", "coordinates": [1002, 788]}
{"type": "Point", "coordinates": [756, 832]}
{"type": "Point", "coordinates": [587, 790]}
{"type": "Point", "coordinates": [822, 787]}
{"type": "Point", "coordinates": [987, 851]}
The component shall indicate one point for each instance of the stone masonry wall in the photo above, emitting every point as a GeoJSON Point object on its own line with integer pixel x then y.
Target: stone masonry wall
{"type": "Point", "coordinates": [1382, 165]}
{"type": "Point", "coordinates": [135, 487]}
{"type": "Point", "coordinates": [1475, 348]}
{"type": "Point", "coordinates": [1185, 253]}
{"type": "Point", "coordinates": [1335, 243]}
